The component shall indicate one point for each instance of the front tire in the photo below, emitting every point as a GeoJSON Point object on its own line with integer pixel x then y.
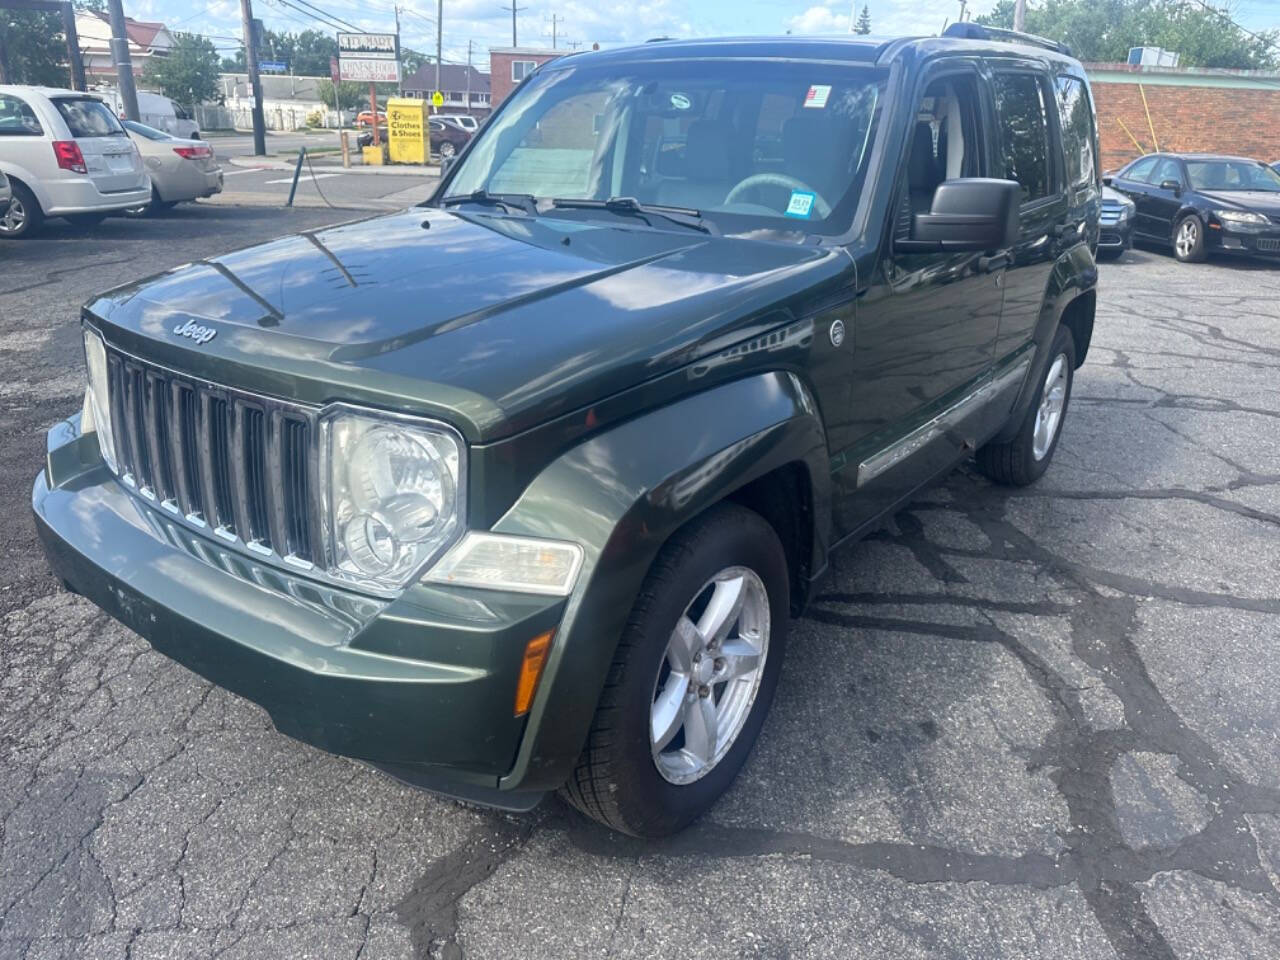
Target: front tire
{"type": "Point", "coordinates": [1189, 240]}
{"type": "Point", "coordinates": [692, 678]}
{"type": "Point", "coordinates": [1024, 459]}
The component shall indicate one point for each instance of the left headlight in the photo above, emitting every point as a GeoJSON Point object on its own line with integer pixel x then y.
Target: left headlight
{"type": "Point", "coordinates": [96, 417]}
{"type": "Point", "coordinates": [1127, 210]}
{"type": "Point", "coordinates": [1241, 216]}
{"type": "Point", "coordinates": [394, 495]}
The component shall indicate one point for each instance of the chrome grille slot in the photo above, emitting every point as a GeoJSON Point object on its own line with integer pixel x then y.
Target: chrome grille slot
{"type": "Point", "coordinates": [234, 463]}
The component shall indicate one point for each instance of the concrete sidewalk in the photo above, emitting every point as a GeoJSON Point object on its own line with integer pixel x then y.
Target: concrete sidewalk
{"type": "Point", "coordinates": [332, 164]}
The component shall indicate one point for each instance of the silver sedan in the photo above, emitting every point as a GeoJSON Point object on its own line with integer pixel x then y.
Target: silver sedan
{"type": "Point", "coordinates": [5, 194]}
{"type": "Point", "coordinates": [179, 169]}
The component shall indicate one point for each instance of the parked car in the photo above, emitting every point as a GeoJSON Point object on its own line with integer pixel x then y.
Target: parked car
{"type": "Point", "coordinates": [447, 138]}
{"type": "Point", "coordinates": [6, 194]}
{"type": "Point", "coordinates": [180, 169]}
{"type": "Point", "coordinates": [465, 121]}
{"type": "Point", "coordinates": [365, 118]}
{"type": "Point", "coordinates": [531, 505]}
{"type": "Point", "coordinates": [65, 155]}
{"type": "Point", "coordinates": [1203, 203]}
{"type": "Point", "coordinates": [156, 110]}
{"type": "Point", "coordinates": [1116, 223]}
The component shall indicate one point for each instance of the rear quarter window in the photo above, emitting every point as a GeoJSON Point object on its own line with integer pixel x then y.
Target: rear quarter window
{"type": "Point", "coordinates": [88, 118]}
{"type": "Point", "coordinates": [1077, 130]}
{"type": "Point", "coordinates": [17, 119]}
{"type": "Point", "coordinates": [1024, 133]}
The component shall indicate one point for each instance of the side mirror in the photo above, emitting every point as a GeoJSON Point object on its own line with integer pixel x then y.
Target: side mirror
{"type": "Point", "coordinates": [1173, 185]}
{"type": "Point", "coordinates": [1106, 179]}
{"type": "Point", "coordinates": [973, 213]}
{"type": "Point", "coordinates": [445, 164]}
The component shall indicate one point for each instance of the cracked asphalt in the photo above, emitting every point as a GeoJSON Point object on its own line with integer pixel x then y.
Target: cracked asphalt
{"type": "Point", "coordinates": [1015, 723]}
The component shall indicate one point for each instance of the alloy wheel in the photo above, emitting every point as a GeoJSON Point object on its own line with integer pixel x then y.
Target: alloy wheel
{"type": "Point", "coordinates": [1188, 234]}
{"type": "Point", "coordinates": [1053, 400]}
{"type": "Point", "coordinates": [711, 673]}
{"type": "Point", "coordinates": [446, 150]}
{"type": "Point", "coordinates": [15, 218]}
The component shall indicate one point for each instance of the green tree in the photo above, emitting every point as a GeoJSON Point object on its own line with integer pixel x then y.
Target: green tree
{"type": "Point", "coordinates": [350, 96]}
{"type": "Point", "coordinates": [34, 49]}
{"type": "Point", "coordinates": [864, 21]}
{"type": "Point", "coordinates": [1104, 30]}
{"type": "Point", "coordinates": [189, 74]}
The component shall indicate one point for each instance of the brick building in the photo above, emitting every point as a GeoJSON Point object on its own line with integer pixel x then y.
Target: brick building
{"type": "Point", "coordinates": [509, 65]}
{"type": "Point", "coordinates": [1192, 110]}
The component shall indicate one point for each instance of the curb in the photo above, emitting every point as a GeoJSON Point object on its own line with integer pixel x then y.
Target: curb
{"type": "Point", "coordinates": [264, 163]}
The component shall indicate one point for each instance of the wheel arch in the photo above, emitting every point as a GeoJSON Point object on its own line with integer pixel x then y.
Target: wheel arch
{"type": "Point", "coordinates": [624, 493]}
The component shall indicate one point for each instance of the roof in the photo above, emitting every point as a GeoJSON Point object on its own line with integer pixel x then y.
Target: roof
{"type": "Point", "coordinates": [141, 33]}
{"type": "Point", "coordinates": [453, 76]}
{"type": "Point", "coordinates": [838, 48]}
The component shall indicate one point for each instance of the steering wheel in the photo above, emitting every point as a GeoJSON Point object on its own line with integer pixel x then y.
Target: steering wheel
{"type": "Point", "coordinates": [820, 205]}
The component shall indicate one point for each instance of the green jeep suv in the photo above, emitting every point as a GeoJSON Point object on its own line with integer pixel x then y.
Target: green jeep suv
{"type": "Point", "coordinates": [517, 490]}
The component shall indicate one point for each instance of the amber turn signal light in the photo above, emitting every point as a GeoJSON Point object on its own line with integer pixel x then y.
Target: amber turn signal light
{"type": "Point", "coordinates": [535, 657]}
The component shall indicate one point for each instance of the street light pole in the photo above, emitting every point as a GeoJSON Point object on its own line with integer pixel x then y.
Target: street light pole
{"type": "Point", "coordinates": [1019, 14]}
{"type": "Point", "coordinates": [123, 62]}
{"type": "Point", "coordinates": [439, 41]}
{"type": "Point", "coordinates": [255, 83]}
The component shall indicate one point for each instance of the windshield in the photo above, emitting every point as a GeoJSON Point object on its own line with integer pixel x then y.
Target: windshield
{"type": "Point", "coordinates": [142, 130]}
{"type": "Point", "coordinates": [749, 144]}
{"type": "Point", "coordinates": [88, 118]}
{"type": "Point", "coordinates": [1232, 175]}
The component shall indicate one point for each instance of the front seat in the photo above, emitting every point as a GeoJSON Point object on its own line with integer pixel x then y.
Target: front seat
{"type": "Point", "coordinates": [706, 183]}
{"type": "Point", "coordinates": [923, 173]}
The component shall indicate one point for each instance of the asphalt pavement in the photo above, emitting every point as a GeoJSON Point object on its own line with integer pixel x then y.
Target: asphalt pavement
{"type": "Point", "coordinates": [1034, 723]}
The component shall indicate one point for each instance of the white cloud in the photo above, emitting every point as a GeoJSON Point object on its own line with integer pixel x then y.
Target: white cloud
{"type": "Point", "coordinates": [825, 18]}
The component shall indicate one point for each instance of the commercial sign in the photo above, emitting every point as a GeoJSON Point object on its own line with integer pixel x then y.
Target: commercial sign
{"type": "Point", "coordinates": [407, 130]}
{"type": "Point", "coordinates": [369, 57]}
{"type": "Point", "coordinates": [273, 66]}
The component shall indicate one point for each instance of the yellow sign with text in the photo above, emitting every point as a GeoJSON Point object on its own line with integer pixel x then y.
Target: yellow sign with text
{"type": "Point", "coordinates": [407, 130]}
{"type": "Point", "coordinates": [437, 100]}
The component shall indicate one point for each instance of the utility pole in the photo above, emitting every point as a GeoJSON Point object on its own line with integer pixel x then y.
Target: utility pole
{"type": "Point", "coordinates": [255, 83]}
{"type": "Point", "coordinates": [514, 9]}
{"type": "Point", "coordinates": [1019, 14]}
{"type": "Point", "coordinates": [400, 88]}
{"type": "Point", "coordinates": [124, 65]}
{"type": "Point", "coordinates": [555, 20]}
{"type": "Point", "coordinates": [439, 41]}
{"type": "Point", "coordinates": [467, 109]}
{"type": "Point", "coordinates": [964, 5]}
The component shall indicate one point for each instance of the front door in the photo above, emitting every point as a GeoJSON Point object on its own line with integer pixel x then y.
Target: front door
{"type": "Point", "coordinates": [924, 330]}
{"type": "Point", "coordinates": [1161, 201]}
{"type": "Point", "coordinates": [1135, 183]}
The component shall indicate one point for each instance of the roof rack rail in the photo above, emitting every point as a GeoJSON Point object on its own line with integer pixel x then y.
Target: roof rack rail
{"type": "Point", "coordinates": [968, 30]}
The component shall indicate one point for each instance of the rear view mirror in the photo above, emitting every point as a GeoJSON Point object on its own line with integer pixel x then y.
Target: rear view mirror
{"type": "Point", "coordinates": [973, 213]}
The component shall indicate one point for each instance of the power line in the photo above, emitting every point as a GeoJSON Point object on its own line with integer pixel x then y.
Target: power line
{"type": "Point", "coordinates": [1265, 41]}
{"type": "Point", "coordinates": [347, 23]}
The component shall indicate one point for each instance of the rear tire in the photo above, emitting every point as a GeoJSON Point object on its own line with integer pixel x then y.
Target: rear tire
{"type": "Point", "coordinates": [1024, 459]}
{"type": "Point", "coordinates": [23, 217]}
{"type": "Point", "coordinates": [622, 779]}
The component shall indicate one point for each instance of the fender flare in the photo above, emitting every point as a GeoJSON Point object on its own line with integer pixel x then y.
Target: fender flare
{"type": "Point", "coordinates": [620, 495]}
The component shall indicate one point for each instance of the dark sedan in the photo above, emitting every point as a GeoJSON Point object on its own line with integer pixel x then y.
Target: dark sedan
{"type": "Point", "coordinates": [447, 138]}
{"type": "Point", "coordinates": [1202, 204]}
{"type": "Point", "coordinates": [1116, 222]}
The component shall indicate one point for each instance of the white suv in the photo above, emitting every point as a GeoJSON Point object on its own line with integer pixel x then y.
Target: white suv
{"type": "Point", "coordinates": [66, 155]}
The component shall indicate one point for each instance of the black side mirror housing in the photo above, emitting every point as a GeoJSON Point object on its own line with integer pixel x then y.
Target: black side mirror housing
{"type": "Point", "coordinates": [445, 164]}
{"type": "Point", "coordinates": [1173, 185]}
{"type": "Point", "coordinates": [973, 213]}
{"type": "Point", "coordinates": [1106, 179]}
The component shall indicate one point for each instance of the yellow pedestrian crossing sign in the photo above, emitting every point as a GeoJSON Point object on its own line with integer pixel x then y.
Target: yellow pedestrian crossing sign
{"type": "Point", "coordinates": [437, 99]}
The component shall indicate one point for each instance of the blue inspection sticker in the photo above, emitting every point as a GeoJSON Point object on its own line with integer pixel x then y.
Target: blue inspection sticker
{"type": "Point", "coordinates": [801, 204]}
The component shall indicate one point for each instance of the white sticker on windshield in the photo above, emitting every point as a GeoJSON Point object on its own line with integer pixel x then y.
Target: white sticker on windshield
{"type": "Point", "coordinates": [817, 96]}
{"type": "Point", "coordinates": [680, 101]}
{"type": "Point", "coordinates": [801, 204]}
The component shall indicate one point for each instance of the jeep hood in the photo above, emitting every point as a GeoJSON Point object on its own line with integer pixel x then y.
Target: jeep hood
{"type": "Point", "coordinates": [494, 323]}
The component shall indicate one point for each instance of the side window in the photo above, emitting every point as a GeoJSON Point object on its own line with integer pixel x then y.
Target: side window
{"type": "Point", "coordinates": [1140, 171]}
{"type": "Point", "coordinates": [17, 119]}
{"type": "Point", "coordinates": [1077, 131]}
{"type": "Point", "coordinates": [1166, 169]}
{"type": "Point", "coordinates": [1024, 133]}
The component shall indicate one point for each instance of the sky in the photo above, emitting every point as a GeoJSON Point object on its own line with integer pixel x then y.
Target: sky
{"type": "Point", "coordinates": [608, 22]}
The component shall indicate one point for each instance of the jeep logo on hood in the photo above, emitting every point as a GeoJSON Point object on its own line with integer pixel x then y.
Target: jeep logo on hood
{"type": "Point", "coordinates": [194, 331]}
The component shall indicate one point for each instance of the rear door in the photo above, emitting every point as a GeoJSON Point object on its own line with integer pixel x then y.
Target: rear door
{"type": "Point", "coordinates": [110, 157]}
{"type": "Point", "coordinates": [1028, 152]}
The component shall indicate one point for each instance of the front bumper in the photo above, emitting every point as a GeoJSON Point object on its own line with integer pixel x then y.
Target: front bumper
{"type": "Point", "coordinates": [1264, 242]}
{"type": "Point", "coordinates": [421, 686]}
{"type": "Point", "coordinates": [1115, 237]}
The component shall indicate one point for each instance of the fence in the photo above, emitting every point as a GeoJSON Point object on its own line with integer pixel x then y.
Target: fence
{"type": "Point", "coordinates": [277, 116]}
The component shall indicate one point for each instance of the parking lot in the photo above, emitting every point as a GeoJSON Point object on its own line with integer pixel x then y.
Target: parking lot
{"type": "Point", "coordinates": [1040, 722]}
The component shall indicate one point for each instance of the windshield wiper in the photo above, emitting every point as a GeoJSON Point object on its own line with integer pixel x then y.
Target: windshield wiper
{"type": "Point", "coordinates": [683, 216]}
{"type": "Point", "coordinates": [508, 201]}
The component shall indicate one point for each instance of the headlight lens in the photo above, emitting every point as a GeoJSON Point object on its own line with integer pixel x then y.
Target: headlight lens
{"type": "Point", "coordinates": [1126, 211]}
{"type": "Point", "coordinates": [1240, 216]}
{"type": "Point", "coordinates": [97, 400]}
{"type": "Point", "coordinates": [395, 496]}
